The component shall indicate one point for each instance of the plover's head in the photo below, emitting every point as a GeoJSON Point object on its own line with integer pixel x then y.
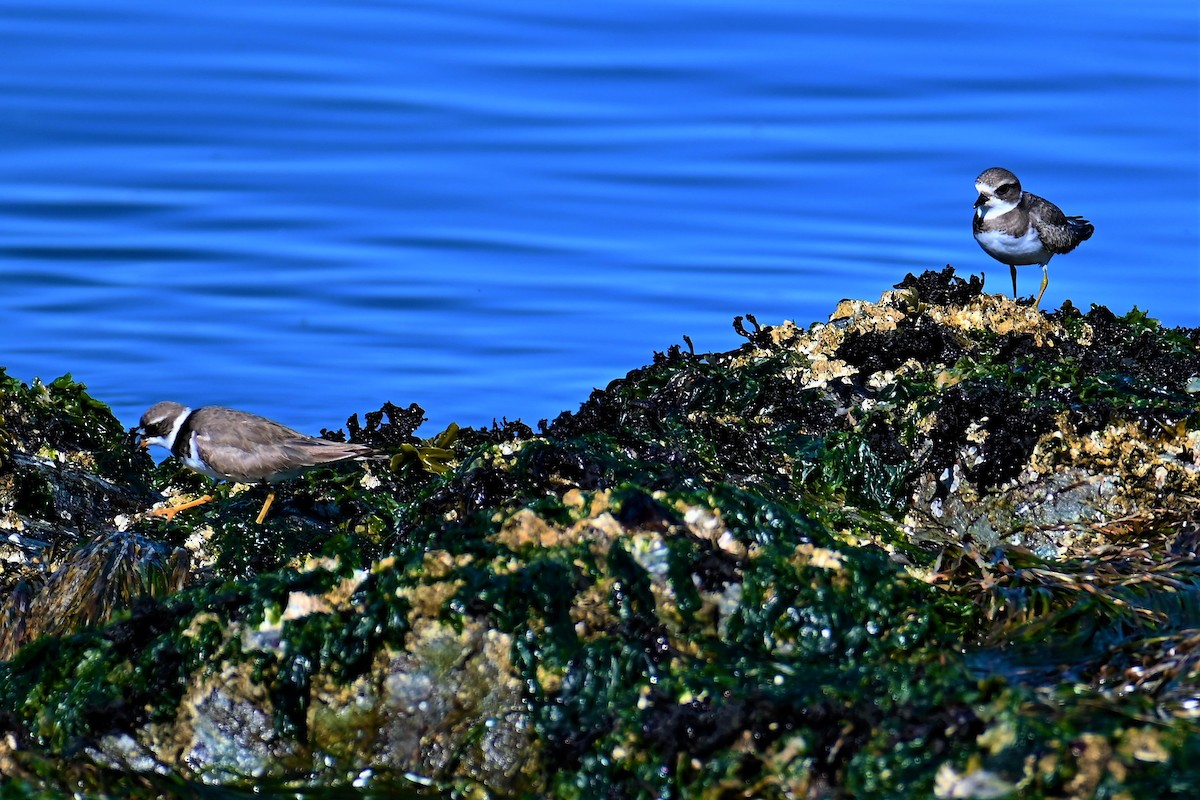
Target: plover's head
{"type": "Point", "coordinates": [160, 424]}
{"type": "Point", "coordinates": [999, 192]}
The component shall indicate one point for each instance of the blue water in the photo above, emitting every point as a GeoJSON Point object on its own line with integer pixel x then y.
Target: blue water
{"type": "Point", "coordinates": [308, 208]}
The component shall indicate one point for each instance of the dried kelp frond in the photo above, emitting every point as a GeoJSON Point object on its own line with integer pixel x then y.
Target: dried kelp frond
{"type": "Point", "coordinates": [1117, 590]}
{"type": "Point", "coordinates": [1165, 668]}
{"type": "Point", "coordinates": [942, 288]}
{"type": "Point", "coordinates": [104, 576]}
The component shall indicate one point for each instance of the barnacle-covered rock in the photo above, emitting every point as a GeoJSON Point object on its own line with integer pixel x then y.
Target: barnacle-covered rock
{"type": "Point", "coordinates": [943, 544]}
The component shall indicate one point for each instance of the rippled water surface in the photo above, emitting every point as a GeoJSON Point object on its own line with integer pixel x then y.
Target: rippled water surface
{"type": "Point", "coordinates": [309, 208]}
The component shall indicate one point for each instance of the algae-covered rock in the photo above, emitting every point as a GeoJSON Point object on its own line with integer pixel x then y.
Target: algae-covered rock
{"type": "Point", "coordinates": [943, 544]}
{"type": "Point", "coordinates": [66, 470]}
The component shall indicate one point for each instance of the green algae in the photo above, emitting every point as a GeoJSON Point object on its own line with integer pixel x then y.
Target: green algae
{"type": "Point", "coordinates": [64, 456]}
{"type": "Point", "coordinates": [63, 416]}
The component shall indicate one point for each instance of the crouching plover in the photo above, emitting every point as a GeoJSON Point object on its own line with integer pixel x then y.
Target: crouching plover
{"type": "Point", "coordinates": [232, 445]}
{"type": "Point", "coordinates": [1018, 228]}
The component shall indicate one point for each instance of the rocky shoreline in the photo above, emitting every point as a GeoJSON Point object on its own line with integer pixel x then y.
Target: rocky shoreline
{"type": "Point", "coordinates": [944, 545]}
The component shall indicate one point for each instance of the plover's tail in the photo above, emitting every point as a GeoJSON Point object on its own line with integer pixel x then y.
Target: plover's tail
{"type": "Point", "coordinates": [1081, 229]}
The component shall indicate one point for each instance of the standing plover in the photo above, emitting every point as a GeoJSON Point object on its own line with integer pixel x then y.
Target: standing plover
{"type": "Point", "coordinates": [1018, 228]}
{"type": "Point", "coordinates": [232, 445]}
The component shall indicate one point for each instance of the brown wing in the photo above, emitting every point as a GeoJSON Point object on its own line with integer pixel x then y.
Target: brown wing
{"type": "Point", "coordinates": [250, 448]}
{"type": "Point", "coordinates": [1058, 232]}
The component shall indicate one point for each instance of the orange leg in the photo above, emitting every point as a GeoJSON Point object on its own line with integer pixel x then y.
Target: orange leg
{"type": "Point", "coordinates": [263, 514]}
{"type": "Point", "coordinates": [1045, 283]}
{"type": "Point", "coordinates": [170, 511]}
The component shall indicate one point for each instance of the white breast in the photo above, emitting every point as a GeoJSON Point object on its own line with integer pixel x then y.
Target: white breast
{"type": "Point", "coordinates": [196, 464]}
{"type": "Point", "coordinates": [1014, 250]}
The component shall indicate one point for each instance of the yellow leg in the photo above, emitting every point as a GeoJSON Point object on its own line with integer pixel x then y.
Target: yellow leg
{"type": "Point", "coordinates": [1013, 269]}
{"type": "Point", "coordinates": [263, 514]}
{"type": "Point", "coordinates": [1045, 283]}
{"type": "Point", "coordinates": [170, 511]}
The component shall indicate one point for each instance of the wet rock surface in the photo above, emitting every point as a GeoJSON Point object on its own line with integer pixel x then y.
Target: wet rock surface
{"type": "Point", "coordinates": [941, 545]}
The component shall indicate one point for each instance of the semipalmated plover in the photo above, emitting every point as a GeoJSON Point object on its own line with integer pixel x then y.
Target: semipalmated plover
{"type": "Point", "coordinates": [233, 445]}
{"type": "Point", "coordinates": [1018, 228]}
